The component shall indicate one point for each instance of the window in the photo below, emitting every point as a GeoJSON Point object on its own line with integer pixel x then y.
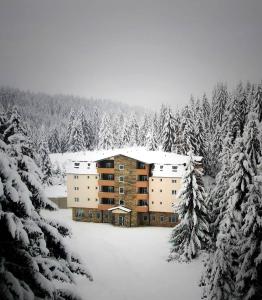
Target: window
{"type": "Point", "coordinates": [121, 190]}
{"type": "Point", "coordinates": [76, 165]}
{"type": "Point", "coordinates": [96, 177]}
{"type": "Point", "coordinates": [98, 215]}
{"type": "Point", "coordinates": [90, 215]}
{"type": "Point", "coordinates": [88, 164]}
{"type": "Point", "coordinates": [160, 179]}
{"type": "Point", "coordinates": [173, 219]}
{"type": "Point", "coordinates": [162, 218]}
{"type": "Point", "coordinates": [173, 192]}
{"type": "Point", "coordinates": [79, 212]}
{"type": "Point", "coordinates": [152, 179]}
{"type": "Point", "coordinates": [87, 177]}
{"type": "Point", "coordinates": [152, 202]}
{"type": "Point", "coordinates": [174, 168]}
{"type": "Point", "coordinates": [76, 177]}
{"type": "Point", "coordinates": [88, 187]}
{"type": "Point", "coordinates": [145, 217]}
{"type": "Point", "coordinates": [174, 181]}
{"type": "Point", "coordinates": [76, 199]}
{"type": "Point", "coordinates": [153, 218]}
{"type": "Point", "coordinates": [121, 202]}
{"type": "Point", "coordinates": [160, 191]}
{"type": "Point", "coordinates": [160, 203]}
{"type": "Point", "coordinates": [121, 178]}
{"type": "Point", "coordinates": [88, 199]}
{"type": "Point", "coordinates": [152, 190]}
{"type": "Point", "coordinates": [161, 168]}
{"type": "Point", "coordinates": [96, 199]}
{"type": "Point", "coordinates": [121, 167]}
{"type": "Point", "coordinates": [76, 188]}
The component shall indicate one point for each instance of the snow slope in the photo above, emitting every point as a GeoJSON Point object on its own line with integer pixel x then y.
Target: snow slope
{"type": "Point", "coordinates": [129, 263]}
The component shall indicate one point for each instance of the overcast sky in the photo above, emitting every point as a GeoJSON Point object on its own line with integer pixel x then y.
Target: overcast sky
{"type": "Point", "coordinates": [137, 51]}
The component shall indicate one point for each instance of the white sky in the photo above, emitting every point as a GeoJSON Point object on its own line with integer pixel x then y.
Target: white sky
{"type": "Point", "coordinates": [142, 52]}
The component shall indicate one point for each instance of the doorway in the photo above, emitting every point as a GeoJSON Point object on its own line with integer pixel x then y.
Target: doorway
{"type": "Point", "coordinates": [121, 220]}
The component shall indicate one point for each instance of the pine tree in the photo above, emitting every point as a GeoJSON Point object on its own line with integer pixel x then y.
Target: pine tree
{"type": "Point", "coordinates": [86, 130]}
{"type": "Point", "coordinates": [219, 104]}
{"type": "Point", "coordinates": [105, 134]}
{"type": "Point", "coordinates": [45, 162]}
{"type": "Point", "coordinates": [221, 279]}
{"type": "Point", "coordinates": [168, 132]}
{"type": "Point", "coordinates": [33, 253]}
{"type": "Point", "coordinates": [76, 140]}
{"type": "Point", "coordinates": [151, 139]}
{"type": "Point", "coordinates": [258, 102]}
{"type": "Point", "coordinates": [54, 144]}
{"type": "Point", "coordinates": [192, 233]}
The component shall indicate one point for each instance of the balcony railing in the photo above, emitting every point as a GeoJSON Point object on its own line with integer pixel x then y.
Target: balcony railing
{"type": "Point", "coordinates": [107, 189]}
{"type": "Point", "coordinates": [140, 165]}
{"type": "Point", "coordinates": [105, 164]}
{"type": "Point", "coordinates": [108, 201]}
{"type": "Point", "coordinates": [142, 178]}
{"type": "Point", "coordinates": [142, 190]}
{"type": "Point", "coordinates": [106, 176]}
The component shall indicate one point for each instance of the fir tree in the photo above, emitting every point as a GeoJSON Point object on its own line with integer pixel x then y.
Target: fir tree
{"type": "Point", "coordinates": [105, 134]}
{"type": "Point", "coordinates": [76, 140]}
{"type": "Point", "coordinates": [54, 144]}
{"type": "Point", "coordinates": [192, 233]}
{"type": "Point", "coordinates": [45, 162]}
{"type": "Point", "coordinates": [33, 253]}
{"type": "Point", "coordinates": [168, 132]}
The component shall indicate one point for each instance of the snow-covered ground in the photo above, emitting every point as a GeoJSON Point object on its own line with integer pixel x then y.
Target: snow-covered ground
{"type": "Point", "coordinates": [129, 263]}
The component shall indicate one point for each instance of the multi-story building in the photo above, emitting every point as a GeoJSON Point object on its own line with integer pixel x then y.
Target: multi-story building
{"type": "Point", "coordinates": [126, 188]}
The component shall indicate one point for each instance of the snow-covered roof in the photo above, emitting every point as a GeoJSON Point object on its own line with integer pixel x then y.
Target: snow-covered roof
{"type": "Point", "coordinates": [56, 191]}
{"type": "Point", "coordinates": [87, 160]}
{"type": "Point", "coordinates": [149, 157]}
{"type": "Point", "coordinates": [121, 208]}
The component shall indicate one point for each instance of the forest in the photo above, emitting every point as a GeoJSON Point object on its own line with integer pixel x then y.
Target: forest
{"type": "Point", "coordinates": [224, 221]}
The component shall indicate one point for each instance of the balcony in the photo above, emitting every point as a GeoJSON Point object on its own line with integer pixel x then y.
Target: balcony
{"type": "Point", "coordinates": [142, 169]}
{"type": "Point", "coordinates": [142, 196]}
{"type": "Point", "coordinates": [142, 184]}
{"type": "Point", "coordinates": [106, 195]}
{"type": "Point", "coordinates": [107, 177]}
{"type": "Point", "coordinates": [106, 182]}
{"type": "Point", "coordinates": [106, 203]}
{"type": "Point", "coordinates": [142, 206]}
{"type": "Point", "coordinates": [105, 170]}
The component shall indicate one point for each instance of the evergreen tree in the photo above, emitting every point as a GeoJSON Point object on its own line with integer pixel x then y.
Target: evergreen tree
{"type": "Point", "coordinates": [45, 162]}
{"type": "Point", "coordinates": [76, 140]}
{"type": "Point", "coordinates": [192, 233]}
{"type": "Point", "coordinates": [86, 130]}
{"type": "Point", "coordinates": [105, 134]}
{"type": "Point", "coordinates": [54, 144]}
{"type": "Point", "coordinates": [151, 139]}
{"type": "Point", "coordinates": [168, 132]}
{"type": "Point", "coordinates": [221, 279]}
{"type": "Point", "coordinates": [33, 253]}
{"type": "Point", "coordinates": [258, 102]}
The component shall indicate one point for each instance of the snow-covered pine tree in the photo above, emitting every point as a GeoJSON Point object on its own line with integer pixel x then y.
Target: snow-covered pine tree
{"type": "Point", "coordinates": [168, 132]}
{"type": "Point", "coordinates": [33, 254]}
{"type": "Point", "coordinates": [219, 104]}
{"type": "Point", "coordinates": [206, 112]}
{"type": "Point", "coordinates": [188, 133]}
{"type": "Point", "coordinates": [134, 131]}
{"type": "Point", "coordinates": [71, 119]}
{"type": "Point", "coordinates": [258, 102]}
{"type": "Point", "coordinates": [105, 134]}
{"type": "Point", "coordinates": [76, 140]}
{"type": "Point", "coordinates": [152, 138]}
{"type": "Point", "coordinates": [177, 148]}
{"type": "Point", "coordinates": [45, 162]}
{"type": "Point", "coordinates": [86, 130]}
{"type": "Point", "coordinates": [192, 233]}
{"type": "Point", "coordinates": [220, 281]}
{"type": "Point", "coordinates": [54, 144]}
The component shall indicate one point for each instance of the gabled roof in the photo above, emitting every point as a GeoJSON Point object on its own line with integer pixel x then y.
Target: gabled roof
{"type": "Point", "coordinates": [121, 208]}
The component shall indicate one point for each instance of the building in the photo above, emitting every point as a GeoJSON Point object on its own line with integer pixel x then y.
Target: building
{"type": "Point", "coordinates": [57, 194]}
{"type": "Point", "coordinates": [126, 188]}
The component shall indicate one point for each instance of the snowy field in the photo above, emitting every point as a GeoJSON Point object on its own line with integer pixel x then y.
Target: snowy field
{"type": "Point", "coordinates": [129, 263]}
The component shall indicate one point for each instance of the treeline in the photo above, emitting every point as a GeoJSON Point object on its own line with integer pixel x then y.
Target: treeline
{"type": "Point", "coordinates": [75, 124]}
